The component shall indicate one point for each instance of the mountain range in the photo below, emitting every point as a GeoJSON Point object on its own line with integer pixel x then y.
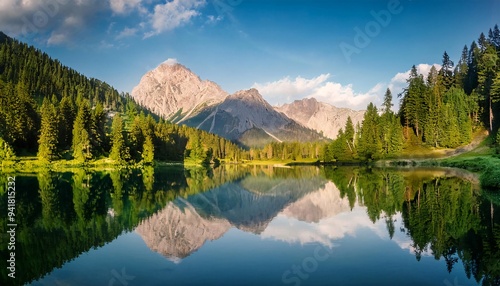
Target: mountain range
{"type": "Point", "coordinates": [250, 205]}
{"type": "Point", "coordinates": [180, 96]}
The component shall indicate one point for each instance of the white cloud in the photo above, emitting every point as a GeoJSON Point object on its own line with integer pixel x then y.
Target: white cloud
{"type": "Point", "coordinates": [345, 96]}
{"type": "Point", "coordinates": [286, 90]}
{"type": "Point", "coordinates": [173, 14]}
{"type": "Point", "coordinates": [171, 62]}
{"type": "Point", "coordinates": [327, 231]}
{"type": "Point", "coordinates": [211, 19]}
{"type": "Point", "coordinates": [57, 38]}
{"type": "Point", "coordinates": [127, 32]}
{"type": "Point", "coordinates": [55, 22]}
{"type": "Point", "coordinates": [124, 6]}
{"type": "Point", "coordinates": [290, 89]}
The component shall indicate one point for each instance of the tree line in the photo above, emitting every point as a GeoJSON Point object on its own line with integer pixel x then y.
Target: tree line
{"type": "Point", "coordinates": [441, 110]}
{"type": "Point", "coordinates": [54, 112]}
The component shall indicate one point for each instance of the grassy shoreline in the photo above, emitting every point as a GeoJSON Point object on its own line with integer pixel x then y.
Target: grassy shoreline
{"type": "Point", "coordinates": [482, 160]}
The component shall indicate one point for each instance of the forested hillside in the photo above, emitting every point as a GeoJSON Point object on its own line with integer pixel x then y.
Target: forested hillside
{"type": "Point", "coordinates": [52, 111]}
{"type": "Point", "coordinates": [441, 110]}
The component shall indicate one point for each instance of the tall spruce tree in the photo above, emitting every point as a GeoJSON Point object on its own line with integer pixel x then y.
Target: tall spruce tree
{"type": "Point", "coordinates": [119, 151]}
{"type": "Point", "coordinates": [370, 145]}
{"type": "Point", "coordinates": [148, 150]}
{"type": "Point", "coordinates": [82, 147]}
{"type": "Point", "coordinates": [487, 68]}
{"type": "Point", "coordinates": [47, 144]}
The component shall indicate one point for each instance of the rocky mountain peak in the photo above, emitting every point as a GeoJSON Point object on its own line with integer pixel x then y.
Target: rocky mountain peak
{"type": "Point", "coordinates": [320, 116]}
{"type": "Point", "coordinates": [250, 95]}
{"type": "Point", "coordinates": [174, 92]}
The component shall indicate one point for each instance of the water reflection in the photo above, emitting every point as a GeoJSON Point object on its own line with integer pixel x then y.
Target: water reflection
{"type": "Point", "coordinates": [177, 211]}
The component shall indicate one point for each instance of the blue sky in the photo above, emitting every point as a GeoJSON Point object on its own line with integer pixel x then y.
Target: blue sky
{"type": "Point", "coordinates": [287, 49]}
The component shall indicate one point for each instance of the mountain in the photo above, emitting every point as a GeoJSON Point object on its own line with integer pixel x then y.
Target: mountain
{"type": "Point", "coordinates": [249, 204]}
{"type": "Point", "coordinates": [177, 231]}
{"type": "Point", "coordinates": [173, 92]}
{"type": "Point", "coordinates": [178, 95]}
{"type": "Point", "coordinates": [246, 117]}
{"type": "Point", "coordinates": [315, 206]}
{"type": "Point", "coordinates": [320, 116]}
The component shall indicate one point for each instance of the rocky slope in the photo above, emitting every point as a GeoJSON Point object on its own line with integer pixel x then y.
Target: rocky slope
{"type": "Point", "coordinates": [174, 92]}
{"type": "Point", "coordinates": [246, 117]}
{"type": "Point", "coordinates": [320, 116]}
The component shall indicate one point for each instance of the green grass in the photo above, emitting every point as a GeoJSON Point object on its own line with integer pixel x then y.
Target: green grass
{"type": "Point", "coordinates": [481, 160]}
{"type": "Point", "coordinates": [33, 165]}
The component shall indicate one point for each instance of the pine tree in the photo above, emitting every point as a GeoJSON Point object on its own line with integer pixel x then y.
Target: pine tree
{"type": "Point", "coordinates": [397, 138]}
{"type": "Point", "coordinates": [82, 148]}
{"type": "Point", "coordinates": [97, 129]}
{"type": "Point", "coordinates": [487, 67]}
{"type": "Point", "coordinates": [496, 37]}
{"type": "Point", "coordinates": [370, 145]}
{"type": "Point", "coordinates": [119, 151]}
{"type": "Point", "coordinates": [446, 71]}
{"type": "Point", "coordinates": [350, 135]}
{"type": "Point", "coordinates": [472, 68]}
{"type": "Point", "coordinates": [387, 101]}
{"type": "Point", "coordinates": [196, 153]}
{"type": "Point", "coordinates": [432, 129]}
{"type": "Point", "coordinates": [386, 122]}
{"type": "Point", "coordinates": [413, 105]}
{"type": "Point", "coordinates": [461, 69]}
{"type": "Point", "coordinates": [47, 144]}
{"type": "Point", "coordinates": [148, 150]}
{"type": "Point", "coordinates": [66, 114]}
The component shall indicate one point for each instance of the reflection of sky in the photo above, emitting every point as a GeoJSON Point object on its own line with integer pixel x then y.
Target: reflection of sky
{"type": "Point", "coordinates": [330, 229]}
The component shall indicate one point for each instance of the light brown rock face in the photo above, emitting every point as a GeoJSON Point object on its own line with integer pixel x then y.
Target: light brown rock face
{"type": "Point", "coordinates": [324, 203]}
{"type": "Point", "coordinates": [320, 116]}
{"type": "Point", "coordinates": [176, 233]}
{"type": "Point", "coordinates": [174, 92]}
{"type": "Point", "coordinates": [246, 117]}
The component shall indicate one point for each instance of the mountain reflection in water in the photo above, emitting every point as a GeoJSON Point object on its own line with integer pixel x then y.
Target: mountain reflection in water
{"type": "Point", "coordinates": [430, 215]}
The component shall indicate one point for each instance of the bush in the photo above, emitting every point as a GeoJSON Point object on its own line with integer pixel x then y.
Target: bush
{"type": "Point", "coordinates": [490, 178]}
{"type": "Point", "coordinates": [6, 152]}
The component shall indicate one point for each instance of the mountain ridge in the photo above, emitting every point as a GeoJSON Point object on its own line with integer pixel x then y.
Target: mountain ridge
{"type": "Point", "coordinates": [177, 94]}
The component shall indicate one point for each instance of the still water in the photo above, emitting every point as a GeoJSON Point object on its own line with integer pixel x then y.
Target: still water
{"type": "Point", "coordinates": [260, 225]}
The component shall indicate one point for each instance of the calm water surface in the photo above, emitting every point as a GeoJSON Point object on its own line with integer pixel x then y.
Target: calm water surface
{"type": "Point", "coordinates": [253, 226]}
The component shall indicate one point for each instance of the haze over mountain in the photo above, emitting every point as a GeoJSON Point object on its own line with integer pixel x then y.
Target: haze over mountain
{"type": "Point", "coordinates": [177, 94]}
{"type": "Point", "coordinates": [320, 116]}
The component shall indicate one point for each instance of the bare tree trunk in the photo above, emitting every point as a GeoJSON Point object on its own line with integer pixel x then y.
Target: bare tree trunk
{"type": "Point", "coordinates": [491, 116]}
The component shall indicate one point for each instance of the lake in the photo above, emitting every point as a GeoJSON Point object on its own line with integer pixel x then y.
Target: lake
{"type": "Point", "coordinates": [260, 225]}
